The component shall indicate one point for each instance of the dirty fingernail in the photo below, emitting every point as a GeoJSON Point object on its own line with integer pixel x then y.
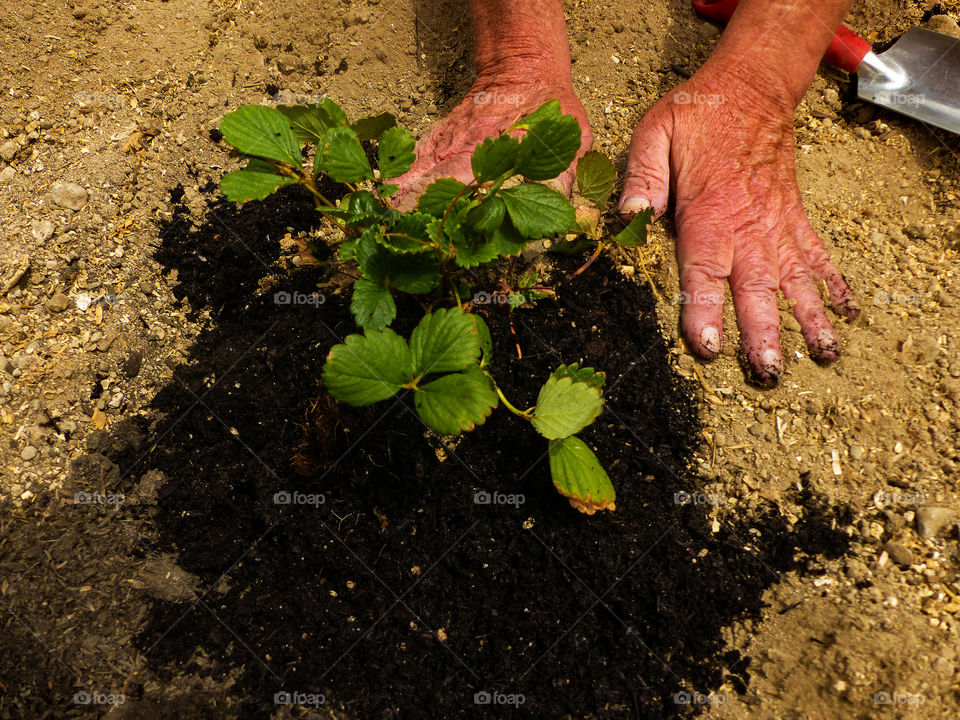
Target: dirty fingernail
{"type": "Point", "coordinates": [772, 362]}
{"type": "Point", "coordinates": [633, 205]}
{"type": "Point", "coordinates": [826, 340]}
{"type": "Point", "coordinates": [710, 339]}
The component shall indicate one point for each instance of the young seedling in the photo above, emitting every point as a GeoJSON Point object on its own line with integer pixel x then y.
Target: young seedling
{"type": "Point", "coordinates": [435, 252]}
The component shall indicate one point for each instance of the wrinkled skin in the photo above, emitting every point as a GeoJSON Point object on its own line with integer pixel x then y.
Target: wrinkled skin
{"type": "Point", "coordinates": [726, 152]}
{"type": "Point", "coordinates": [491, 106]}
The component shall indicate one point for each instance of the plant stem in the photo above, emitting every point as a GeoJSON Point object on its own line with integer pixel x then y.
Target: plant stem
{"type": "Point", "coordinates": [589, 262]}
{"type": "Point", "coordinates": [525, 414]}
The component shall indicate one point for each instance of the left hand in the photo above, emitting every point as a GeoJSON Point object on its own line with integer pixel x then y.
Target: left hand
{"type": "Point", "coordinates": [725, 144]}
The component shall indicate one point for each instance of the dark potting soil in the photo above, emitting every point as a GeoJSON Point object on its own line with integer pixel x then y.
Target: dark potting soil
{"type": "Point", "coordinates": [402, 594]}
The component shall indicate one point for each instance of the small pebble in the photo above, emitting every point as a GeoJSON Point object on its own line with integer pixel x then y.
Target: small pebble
{"type": "Point", "coordinates": [931, 520]}
{"type": "Point", "coordinates": [9, 150]}
{"type": "Point", "coordinates": [58, 303]}
{"type": "Point", "coordinates": [42, 231]}
{"type": "Point", "coordinates": [7, 174]}
{"type": "Point", "coordinates": [944, 24]}
{"type": "Point", "coordinates": [69, 195]}
{"type": "Point", "coordinates": [28, 453]}
{"type": "Point", "coordinates": [900, 554]}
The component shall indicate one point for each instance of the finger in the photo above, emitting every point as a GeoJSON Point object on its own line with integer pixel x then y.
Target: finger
{"type": "Point", "coordinates": [797, 283]}
{"type": "Point", "coordinates": [647, 180]}
{"type": "Point", "coordinates": [753, 283]}
{"type": "Point", "coordinates": [842, 300]}
{"type": "Point", "coordinates": [705, 255]}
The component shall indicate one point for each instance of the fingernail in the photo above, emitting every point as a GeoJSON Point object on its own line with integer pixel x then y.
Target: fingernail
{"type": "Point", "coordinates": [772, 362]}
{"type": "Point", "coordinates": [633, 205]}
{"type": "Point", "coordinates": [827, 340]}
{"type": "Point", "coordinates": [710, 339]}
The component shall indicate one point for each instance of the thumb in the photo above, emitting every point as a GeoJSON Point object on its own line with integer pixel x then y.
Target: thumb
{"type": "Point", "coordinates": [647, 180]}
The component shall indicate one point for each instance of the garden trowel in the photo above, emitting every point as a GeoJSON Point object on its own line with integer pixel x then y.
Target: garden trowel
{"type": "Point", "coordinates": [919, 76]}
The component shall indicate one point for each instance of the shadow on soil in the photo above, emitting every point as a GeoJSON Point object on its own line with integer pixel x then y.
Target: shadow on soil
{"type": "Point", "coordinates": [399, 595]}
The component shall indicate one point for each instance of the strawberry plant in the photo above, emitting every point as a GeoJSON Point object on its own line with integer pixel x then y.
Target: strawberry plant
{"type": "Point", "coordinates": [435, 252]}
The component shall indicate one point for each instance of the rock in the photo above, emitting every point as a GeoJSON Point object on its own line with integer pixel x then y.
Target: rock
{"type": "Point", "coordinates": [931, 520]}
{"type": "Point", "coordinates": [9, 150]}
{"type": "Point", "coordinates": [943, 666]}
{"type": "Point", "coordinates": [856, 452]}
{"type": "Point", "coordinates": [831, 96]}
{"type": "Point", "coordinates": [68, 195]}
{"type": "Point", "coordinates": [58, 303]}
{"type": "Point", "coordinates": [944, 24]}
{"type": "Point", "coordinates": [29, 452]}
{"type": "Point", "coordinates": [42, 230]}
{"type": "Point", "coordinates": [5, 365]}
{"type": "Point", "coordinates": [756, 430]}
{"type": "Point", "coordinates": [900, 554]}
{"type": "Point", "coordinates": [932, 412]}
{"type": "Point", "coordinates": [7, 175]}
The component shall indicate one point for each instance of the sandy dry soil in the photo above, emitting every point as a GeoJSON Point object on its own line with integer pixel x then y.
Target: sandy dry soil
{"type": "Point", "coordinates": [120, 98]}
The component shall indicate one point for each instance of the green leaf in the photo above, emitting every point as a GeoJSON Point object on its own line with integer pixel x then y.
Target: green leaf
{"type": "Point", "coordinates": [565, 406]}
{"type": "Point", "coordinates": [372, 304]}
{"type": "Point", "coordinates": [636, 232]}
{"type": "Point", "coordinates": [438, 196]}
{"type": "Point", "coordinates": [395, 152]}
{"type": "Point", "coordinates": [372, 127]}
{"type": "Point", "coordinates": [387, 190]}
{"type": "Point", "coordinates": [538, 211]}
{"type": "Point", "coordinates": [585, 375]}
{"type": "Point", "coordinates": [494, 157]}
{"type": "Point", "coordinates": [343, 157]}
{"type": "Point", "coordinates": [408, 233]}
{"type": "Point", "coordinates": [486, 342]}
{"type": "Point", "coordinates": [487, 216]}
{"type": "Point", "coordinates": [261, 131]}
{"type": "Point", "coordinates": [415, 274]}
{"type": "Point", "coordinates": [507, 240]}
{"type": "Point", "coordinates": [548, 148]}
{"type": "Point", "coordinates": [311, 122]}
{"type": "Point", "coordinates": [456, 402]}
{"type": "Point", "coordinates": [338, 118]}
{"type": "Point", "coordinates": [445, 341]}
{"type": "Point", "coordinates": [255, 182]}
{"type": "Point", "coordinates": [550, 110]}
{"type": "Point", "coordinates": [595, 177]}
{"type": "Point", "coordinates": [367, 368]}
{"type": "Point", "coordinates": [473, 250]}
{"type": "Point", "coordinates": [578, 475]}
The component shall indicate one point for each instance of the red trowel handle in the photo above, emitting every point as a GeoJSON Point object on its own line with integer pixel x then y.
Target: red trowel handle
{"type": "Point", "coordinates": [846, 51]}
